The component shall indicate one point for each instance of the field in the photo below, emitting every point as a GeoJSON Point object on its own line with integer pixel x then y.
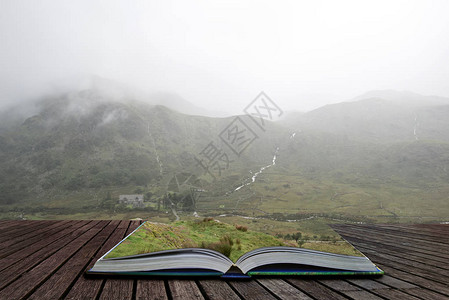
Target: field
{"type": "Point", "coordinates": [232, 241]}
{"type": "Point", "coordinates": [352, 199]}
{"type": "Point", "coordinates": [296, 208]}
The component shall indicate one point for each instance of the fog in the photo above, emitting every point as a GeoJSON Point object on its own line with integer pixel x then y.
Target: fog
{"type": "Point", "coordinates": [219, 55]}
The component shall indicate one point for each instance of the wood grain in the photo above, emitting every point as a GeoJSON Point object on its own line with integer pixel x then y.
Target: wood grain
{"type": "Point", "coordinates": [47, 260]}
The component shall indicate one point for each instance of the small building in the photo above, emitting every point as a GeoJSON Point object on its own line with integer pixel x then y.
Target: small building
{"type": "Point", "coordinates": [135, 200]}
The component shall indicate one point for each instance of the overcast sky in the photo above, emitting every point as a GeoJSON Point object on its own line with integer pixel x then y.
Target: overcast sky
{"type": "Point", "coordinates": [221, 54]}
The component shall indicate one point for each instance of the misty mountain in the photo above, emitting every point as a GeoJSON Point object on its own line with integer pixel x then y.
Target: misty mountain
{"type": "Point", "coordinates": [74, 147]}
{"type": "Point", "coordinates": [84, 140]}
{"type": "Point", "coordinates": [106, 88]}
{"type": "Point", "coordinates": [179, 104]}
{"type": "Point", "coordinates": [380, 116]}
{"type": "Point", "coordinates": [404, 98]}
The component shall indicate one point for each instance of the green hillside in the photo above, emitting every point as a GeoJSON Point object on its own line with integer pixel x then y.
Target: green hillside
{"type": "Point", "coordinates": [232, 241]}
{"type": "Point", "coordinates": [74, 154]}
{"type": "Point", "coordinates": [85, 144]}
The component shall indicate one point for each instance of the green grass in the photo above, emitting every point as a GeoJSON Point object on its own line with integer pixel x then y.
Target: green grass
{"type": "Point", "coordinates": [216, 235]}
{"type": "Point", "coordinates": [207, 233]}
{"type": "Point", "coordinates": [316, 232]}
{"type": "Point", "coordinates": [280, 191]}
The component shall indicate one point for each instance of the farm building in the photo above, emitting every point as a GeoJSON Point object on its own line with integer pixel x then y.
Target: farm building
{"type": "Point", "coordinates": [135, 200]}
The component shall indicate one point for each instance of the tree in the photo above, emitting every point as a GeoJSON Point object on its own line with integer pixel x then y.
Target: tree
{"type": "Point", "coordinates": [296, 236]}
{"type": "Point", "coordinates": [107, 202]}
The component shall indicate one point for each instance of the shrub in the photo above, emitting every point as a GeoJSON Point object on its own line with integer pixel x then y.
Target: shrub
{"type": "Point", "coordinates": [241, 228]}
{"type": "Point", "coordinates": [223, 248]}
{"type": "Point", "coordinates": [227, 239]}
{"type": "Point", "coordinates": [296, 236]}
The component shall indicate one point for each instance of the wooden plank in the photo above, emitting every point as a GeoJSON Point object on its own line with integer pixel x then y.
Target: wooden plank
{"type": "Point", "coordinates": [55, 224]}
{"type": "Point", "coordinates": [404, 236]}
{"type": "Point", "coordinates": [367, 284]}
{"type": "Point", "coordinates": [36, 247]}
{"type": "Point", "coordinates": [184, 289]}
{"type": "Point", "coordinates": [26, 240]}
{"type": "Point", "coordinates": [403, 264]}
{"type": "Point", "coordinates": [408, 231]}
{"type": "Point", "coordinates": [418, 254]}
{"type": "Point", "coordinates": [394, 282]}
{"type": "Point", "coordinates": [438, 248]}
{"type": "Point", "coordinates": [399, 284]}
{"type": "Point", "coordinates": [9, 224]}
{"type": "Point", "coordinates": [314, 289]}
{"type": "Point", "coordinates": [376, 241]}
{"type": "Point", "coordinates": [28, 258]}
{"type": "Point", "coordinates": [28, 282]}
{"type": "Point", "coordinates": [12, 224]}
{"type": "Point", "coordinates": [57, 285]}
{"type": "Point", "coordinates": [122, 287]}
{"type": "Point", "coordinates": [439, 233]}
{"type": "Point", "coordinates": [347, 289]}
{"type": "Point", "coordinates": [217, 289]}
{"type": "Point", "coordinates": [25, 225]}
{"type": "Point", "coordinates": [414, 245]}
{"type": "Point", "coordinates": [420, 232]}
{"type": "Point", "coordinates": [379, 285]}
{"type": "Point", "coordinates": [117, 289]}
{"type": "Point", "coordinates": [425, 294]}
{"type": "Point", "coordinates": [395, 294]}
{"type": "Point", "coordinates": [435, 229]}
{"type": "Point", "coordinates": [411, 266]}
{"type": "Point", "coordinates": [282, 289]}
{"type": "Point", "coordinates": [338, 285]}
{"type": "Point", "coordinates": [89, 288]}
{"type": "Point", "coordinates": [151, 290]}
{"type": "Point", "coordinates": [417, 280]}
{"type": "Point", "coordinates": [42, 266]}
{"type": "Point", "coordinates": [33, 233]}
{"type": "Point", "coordinates": [361, 295]}
{"type": "Point", "coordinates": [23, 228]}
{"type": "Point", "coordinates": [402, 251]}
{"type": "Point", "coordinates": [385, 282]}
{"type": "Point", "coordinates": [250, 290]}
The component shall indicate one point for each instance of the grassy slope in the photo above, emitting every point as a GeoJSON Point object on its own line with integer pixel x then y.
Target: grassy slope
{"type": "Point", "coordinates": [211, 234]}
{"type": "Point", "coordinates": [58, 165]}
{"type": "Point", "coordinates": [153, 237]}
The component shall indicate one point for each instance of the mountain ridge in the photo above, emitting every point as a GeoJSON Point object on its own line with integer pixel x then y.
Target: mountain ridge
{"type": "Point", "coordinates": [80, 147]}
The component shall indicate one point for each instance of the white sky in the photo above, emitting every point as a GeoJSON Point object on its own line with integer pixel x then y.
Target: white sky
{"type": "Point", "coordinates": [221, 54]}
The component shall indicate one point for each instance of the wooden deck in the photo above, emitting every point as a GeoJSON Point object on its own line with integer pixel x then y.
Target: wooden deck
{"type": "Point", "coordinates": [47, 259]}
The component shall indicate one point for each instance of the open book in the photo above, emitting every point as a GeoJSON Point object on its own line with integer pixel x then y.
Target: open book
{"type": "Point", "coordinates": [210, 248]}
